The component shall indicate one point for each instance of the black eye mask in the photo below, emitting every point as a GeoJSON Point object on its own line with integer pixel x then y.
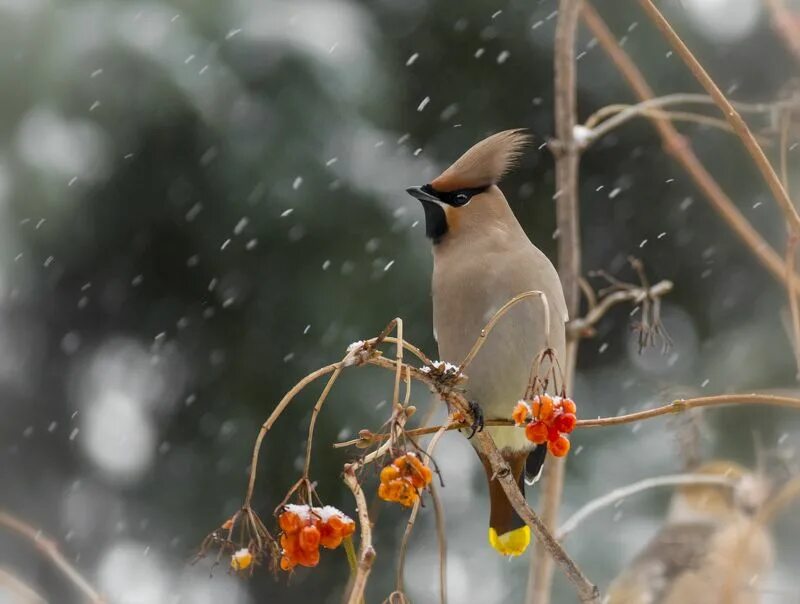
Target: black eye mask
{"type": "Point", "coordinates": [457, 198]}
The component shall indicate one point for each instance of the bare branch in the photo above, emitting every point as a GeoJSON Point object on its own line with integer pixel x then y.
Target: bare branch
{"type": "Point", "coordinates": [498, 315]}
{"type": "Point", "coordinates": [439, 527]}
{"type": "Point", "coordinates": [582, 327]}
{"type": "Point", "coordinates": [632, 489]}
{"type": "Point", "coordinates": [567, 157]}
{"type": "Point", "coordinates": [730, 113]}
{"type": "Point", "coordinates": [366, 552]}
{"type": "Point", "coordinates": [680, 149]}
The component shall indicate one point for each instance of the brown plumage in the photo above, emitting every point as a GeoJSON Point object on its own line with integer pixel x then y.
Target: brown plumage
{"type": "Point", "coordinates": [484, 163]}
{"type": "Point", "coordinates": [482, 259]}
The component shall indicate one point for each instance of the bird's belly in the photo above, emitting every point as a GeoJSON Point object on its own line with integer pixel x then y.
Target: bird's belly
{"type": "Point", "coordinates": [498, 376]}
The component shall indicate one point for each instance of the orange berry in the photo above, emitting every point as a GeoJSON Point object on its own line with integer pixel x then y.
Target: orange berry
{"type": "Point", "coordinates": [553, 434]}
{"type": "Point", "coordinates": [289, 522]}
{"type": "Point", "coordinates": [309, 538]}
{"type": "Point", "coordinates": [389, 473]}
{"type": "Point", "coordinates": [547, 408]}
{"type": "Point", "coordinates": [520, 413]}
{"type": "Point", "coordinates": [536, 432]}
{"type": "Point", "coordinates": [559, 447]}
{"type": "Point", "coordinates": [349, 528]}
{"type": "Point", "coordinates": [536, 406]}
{"type": "Point", "coordinates": [565, 422]}
{"type": "Point", "coordinates": [309, 559]}
{"type": "Point", "coordinates": [568, 405]}
{"type": "Point", "coordinates": [330, 539]}
{"type": "Point", "coordinates": [335, 524]}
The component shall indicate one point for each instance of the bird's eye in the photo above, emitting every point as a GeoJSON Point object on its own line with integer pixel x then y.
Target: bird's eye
{"type": "Point", "coordinates": [462, 198]}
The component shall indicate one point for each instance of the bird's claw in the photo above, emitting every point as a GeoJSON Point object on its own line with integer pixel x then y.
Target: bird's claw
{"type": "Point", "coordinates": [477, 414]}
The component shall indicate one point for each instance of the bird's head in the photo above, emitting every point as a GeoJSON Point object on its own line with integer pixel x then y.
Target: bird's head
{"type": "Point", "coordinates": [742, 492]}
{"type": "Point", "coordinates": [466, 194]}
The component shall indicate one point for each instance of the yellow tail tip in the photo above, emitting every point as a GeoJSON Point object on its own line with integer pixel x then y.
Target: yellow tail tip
{"type": "Point", "coordinates": [512, 543]}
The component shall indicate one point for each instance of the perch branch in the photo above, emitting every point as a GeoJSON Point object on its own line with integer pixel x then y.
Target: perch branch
{"type": "Point", "coordinates": [677, 406]}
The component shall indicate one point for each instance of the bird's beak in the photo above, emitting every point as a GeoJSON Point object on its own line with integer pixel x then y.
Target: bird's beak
{"type": "Point", "coordinates": [421, 195]}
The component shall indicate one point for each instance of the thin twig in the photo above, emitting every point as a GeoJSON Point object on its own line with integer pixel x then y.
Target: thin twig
{"type": "Point", "coordinates": [567, 158]}
{"type": "Point", "coordinates": [730, 113]}
{"type": "Point", "coordinates": [49, 550]}
{"type": "Point", "coordinates": [640, 110]}
{"type": "Point", "coordinates": [681, 98]}
{"type": "Point", "coordinates": [315, 413]}
{"type": "Point", "coordinates": [479, 342]}
{"type": "Point", "coordinates": [410, 526]}
{"type": "Point", "coordinates": [287, 398]}
{"type": "Point", "coordinates": [677, 406]}
{"type": "Point", "coordinates": [366, 552]}
{"type": "Point", "coordinates": [681, 405]}
{"type": "Point", "coordinates": [632, 489]}
{"type": "Point", "coordinates": [680, 149]}
{"type": "Point", "coordinates": [582, 326]}
{"type": "Point", "coordinates": [441, 538]}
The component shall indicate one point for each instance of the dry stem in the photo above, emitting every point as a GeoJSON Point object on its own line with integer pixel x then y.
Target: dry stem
{"type": "Point", "coordinates": [632, 489]}
{"type": "Point", "coordinates": [366, 554]}
{"type": "Point", "coordinates": [677, 406]}
{"type": "Point", "coordinates": [567, 157]}
{"type": "Point", "coordinates": [730, 113]}
{"type": "Point", "coordinates": [680, 149]}
{"type": "Point", "coordinates": [439, 527]}
{"type": "Point", "coordinates": [498, 315]}
{"type": "Point", "coordinates": [785, 25]}
{"type": "Point", "coordinates": [581, 327]}
{"type": "Point", "coordinates": [49, 550]}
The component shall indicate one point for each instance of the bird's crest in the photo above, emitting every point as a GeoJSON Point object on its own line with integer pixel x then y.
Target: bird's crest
{"type": "Point", "coordinates": [485, 163]}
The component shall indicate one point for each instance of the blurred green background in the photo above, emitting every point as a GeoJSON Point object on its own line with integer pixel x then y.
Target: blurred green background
{"type": "Point", "coordinates": [201, 202]}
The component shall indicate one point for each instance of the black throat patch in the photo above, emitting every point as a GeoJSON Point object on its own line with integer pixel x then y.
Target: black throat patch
{"type": "Point", "coordinates": [435, 221]}
{"type": "Point", "coordinates": [436, 225]}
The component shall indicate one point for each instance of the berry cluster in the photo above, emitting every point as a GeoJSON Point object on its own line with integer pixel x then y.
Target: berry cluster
{"type": "Point", "coordinates": [547, 419]}
{"type": "Point", "coordinates": [306, 528]}
{"type": "Point", "coordinates": [402, 480]}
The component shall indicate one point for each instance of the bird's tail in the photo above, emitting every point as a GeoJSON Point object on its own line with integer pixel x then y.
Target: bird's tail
{"type": "Point", "coordinates": [508, 533]}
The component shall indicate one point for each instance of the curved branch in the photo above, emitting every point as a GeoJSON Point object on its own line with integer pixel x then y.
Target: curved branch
{"type": "Point", "coordinates": [498, 315]}
{"type": "Point", "coordinates": [637, 487]}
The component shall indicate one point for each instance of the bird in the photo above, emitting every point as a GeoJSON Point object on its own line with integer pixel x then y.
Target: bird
{"type": "Point", "coordinates": [711, 547]}
{"type": "Point", "coordinates": [482, 258]}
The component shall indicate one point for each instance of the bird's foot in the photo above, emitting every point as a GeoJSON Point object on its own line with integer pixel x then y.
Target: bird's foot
{"type": "Point", "coordinates": [477, 415]}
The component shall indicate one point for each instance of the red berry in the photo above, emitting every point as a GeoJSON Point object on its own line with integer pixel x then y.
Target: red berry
{"type": "Point", "coordinates": [536, 432]}
{"type": "Point", "coordinates": [560, 447]}
{"type": "Point", "coordinates": [565, 422]}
